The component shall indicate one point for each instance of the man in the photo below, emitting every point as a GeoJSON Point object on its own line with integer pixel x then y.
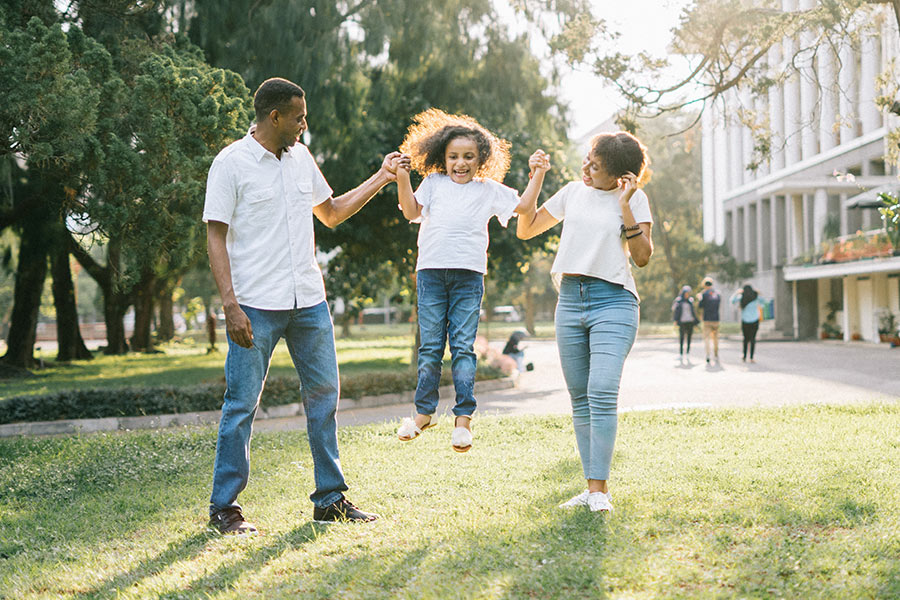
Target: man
{"type": "Point", "coordinates": [709, 301]}
{"type": "Point", "coordinates": [261, 195]}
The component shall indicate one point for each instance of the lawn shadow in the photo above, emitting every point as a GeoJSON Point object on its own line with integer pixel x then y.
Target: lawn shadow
{"type": "Point", "coordinates": [227, 574]}
{"type": "Point", "coordinates": [178, 550]}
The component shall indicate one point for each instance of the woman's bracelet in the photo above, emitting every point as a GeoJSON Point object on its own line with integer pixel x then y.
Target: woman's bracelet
{"type": "Point", "coordinates": [634, 235]}
{"type": "Point", "coordinates": [634, 227]}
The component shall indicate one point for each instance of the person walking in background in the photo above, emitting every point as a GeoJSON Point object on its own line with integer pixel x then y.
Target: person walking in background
{"type": "Point", "coordinates": [606, 225]}
{"type": "Point", "coordinates": [750, 304]}
{"type": "Point", "coordinates": [685, 318]}
{"type": "Point", "coordinates": [709, 301]}
{"type": "Point", "coordinates": [261, 195]}
{"type": "Point", "coordinates": [463, 164]}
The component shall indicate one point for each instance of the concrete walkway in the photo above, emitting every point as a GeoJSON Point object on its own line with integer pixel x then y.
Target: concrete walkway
{"type": "Point", "coordinates": [654, 377]}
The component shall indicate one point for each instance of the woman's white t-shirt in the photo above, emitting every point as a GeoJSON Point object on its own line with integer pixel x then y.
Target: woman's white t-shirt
{"type": "Point", "coordinates": [592, 242]}
{"type": "Point", "coordinates": [453, 232]}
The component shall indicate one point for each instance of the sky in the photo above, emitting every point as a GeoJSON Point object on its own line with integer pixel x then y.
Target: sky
{"type": "Point", "coordinates": [644, 25]}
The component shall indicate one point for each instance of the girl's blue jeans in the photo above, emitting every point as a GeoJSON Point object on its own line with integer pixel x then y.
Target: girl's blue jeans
{"type": "Point", "coordinates": [596, 323]}
{"type": "Point", "coordinates": [449, 304]}
{"type": "Point", "coordinates": [309, 334]}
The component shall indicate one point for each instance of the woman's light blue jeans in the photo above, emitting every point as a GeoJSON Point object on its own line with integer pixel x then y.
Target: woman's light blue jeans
{"type": "Point", "coordinates": [596, 323]}
{"type": "Point", "coordinates": [449, 304]}
{"type": "Point", "coordinates": [309, 334]}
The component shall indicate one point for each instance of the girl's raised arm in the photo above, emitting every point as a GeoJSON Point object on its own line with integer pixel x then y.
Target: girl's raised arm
{"type": "Point", "coordinates": [531, 221]}
{"type": "Point", "coordinates": [412, 210]}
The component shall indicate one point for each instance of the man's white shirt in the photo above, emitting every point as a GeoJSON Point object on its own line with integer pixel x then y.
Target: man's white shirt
{"type": "Point", "coordinates": [268, 206]}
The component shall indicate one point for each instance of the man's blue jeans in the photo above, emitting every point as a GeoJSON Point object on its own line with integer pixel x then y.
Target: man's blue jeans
{"type": "Point", "coordinates": [449, 304]}
{"type": "Point", "coordinates": [596, 323]}
{"type": "Point", "coordinates": [309, 334]}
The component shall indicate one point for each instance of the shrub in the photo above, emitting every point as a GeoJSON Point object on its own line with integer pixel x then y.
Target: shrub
{"type": "Point", "coordinates": [137, 401]}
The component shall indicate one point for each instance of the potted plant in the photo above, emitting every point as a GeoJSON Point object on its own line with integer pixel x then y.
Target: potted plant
{"type": "Point", "coordinates": [887, 326]}
{"type": "Point", "coordinates": [830, 328]}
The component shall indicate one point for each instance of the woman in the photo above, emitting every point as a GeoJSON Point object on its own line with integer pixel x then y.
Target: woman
{"type": "Point", "coordinates": [607, 220]}
{"type": "Point", "coordinates": [750, 306]}
{"type": "Point", "coordinates": [685, 318]}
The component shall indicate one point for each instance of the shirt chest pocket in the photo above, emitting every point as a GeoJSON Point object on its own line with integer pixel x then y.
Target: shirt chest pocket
{"type": "Point", "coordinates": [261, 207]}
{"type": "Point", "coordinates": [301, 197]}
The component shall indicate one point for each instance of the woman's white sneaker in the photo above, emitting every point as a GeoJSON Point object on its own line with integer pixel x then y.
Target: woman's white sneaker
{"type": "Point", "coordinates": [599, 502]}
{"type": "Point", "coordinates": [579, 500]}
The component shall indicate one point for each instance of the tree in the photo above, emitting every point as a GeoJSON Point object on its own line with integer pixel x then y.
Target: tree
{"type": "Point", "coordinates": [46, 117]}
{"type": "Point", "coordinates": [130, 135]}
{"type": "Point", "coordinates": [729, 44]}
{"type": "Point", "coordinates": [681, 256]}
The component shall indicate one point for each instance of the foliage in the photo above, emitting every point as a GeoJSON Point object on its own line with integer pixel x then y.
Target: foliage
{"type": "Point", "coordinates": [890, 216]}
{"type": "Point", "coordinates": [95, 403]}
{"type": "Point", "coordinates": [367, 68]}
{"type": "Point", "coordinates": [681, 256]}
{"type": "Point", "coordinates": [726, 46]}
{"type": "Point", "coordinates": [756, 489]}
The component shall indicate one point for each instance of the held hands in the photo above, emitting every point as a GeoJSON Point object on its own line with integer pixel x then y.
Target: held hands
{"type": "Point", "coordinates": [394, 161]}
{"type": "Point", "coordinates": [539, 162]}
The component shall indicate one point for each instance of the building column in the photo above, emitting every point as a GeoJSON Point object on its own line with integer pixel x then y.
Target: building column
{"type": "Point", "coordinates": [809, 92]}
{"type": "Point", "coordinates": [828, 137]}
{"type": "Point", "coordinates": [776, 112]}
{"type": "Point", "coordinates": [793, 118]}
{"type": "Point", "coordinates": [870, 57]}
{"type": "Point", "coordinates": [776, 216]}
{"type": "Point", "coordinates": [762, 245]}
{"type": "Point", "coordinates": [720, 167]}
{"type": "Point", "coordinates": [845, 220]}
{"type": "Point", "coordinates": [845, 312]}
{"type": "Point", "coordinates": [820, 215]}
{"type": "Point", "coordinates": [847, 94]}
{"type": "Point", "coordinates": [795, 206]}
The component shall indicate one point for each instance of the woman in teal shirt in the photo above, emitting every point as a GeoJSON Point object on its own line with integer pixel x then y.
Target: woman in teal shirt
{"type": "Point", "coordinates": [750, 306]}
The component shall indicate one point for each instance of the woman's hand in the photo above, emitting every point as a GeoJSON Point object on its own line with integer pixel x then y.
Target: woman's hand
{"type": "Point", "coordinates": [629, 184]}
{"type": "Point", "coordinates": [539, 161]}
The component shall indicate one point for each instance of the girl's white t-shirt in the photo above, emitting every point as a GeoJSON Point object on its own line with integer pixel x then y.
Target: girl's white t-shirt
{"type": "Point", "coordinates": [453, 231]}
{"type": "Point", "coordinates": [592, 242]}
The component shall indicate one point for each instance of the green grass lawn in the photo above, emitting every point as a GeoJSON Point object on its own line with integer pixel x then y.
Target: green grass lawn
{"type": "Point", "coordinates": [188, 363]}
{"type": "Point", "coordinates": [764, 503]}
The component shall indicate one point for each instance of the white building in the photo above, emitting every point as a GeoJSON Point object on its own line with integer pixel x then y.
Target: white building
{"type": "Point", "coordinates": [823, 121]}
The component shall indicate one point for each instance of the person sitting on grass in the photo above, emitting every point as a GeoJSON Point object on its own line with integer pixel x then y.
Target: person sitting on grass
{"type": "Point", "coordinates": [463, 164]}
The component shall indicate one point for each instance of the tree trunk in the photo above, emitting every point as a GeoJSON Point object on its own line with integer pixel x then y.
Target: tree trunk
{"type": "Point", "coordinates": [143, 313]}
{"type": "Point", "coordinates": [165, 330]}
{"type": "Point", "coordinates": [115, 303]}
{"type": "Point", "coordinates": [68, 335]}
{"type": "Point", "coordinates": [210, 327]}
{"type": "Point", "coordinates": [529, 309]}
{"type": "Point", "coordinates": [30, 276]}
{"type": "Point", "coordinates": [346, 321]}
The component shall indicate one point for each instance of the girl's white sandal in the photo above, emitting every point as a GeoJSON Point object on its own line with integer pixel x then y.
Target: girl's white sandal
{"type": "Point", "coordinates": [409, 430]}
{"type": "Point", "coordinates": [461, 439]}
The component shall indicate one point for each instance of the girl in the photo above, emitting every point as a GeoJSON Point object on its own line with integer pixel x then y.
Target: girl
{"type": "Point", "coordinates": [607, 219]}
{"type": "Point", "coordinates": [750, 305]}
{"type": "Point", "coordinates": [685, 318]}
{"type": "Point", "coordinates": [463, 164]}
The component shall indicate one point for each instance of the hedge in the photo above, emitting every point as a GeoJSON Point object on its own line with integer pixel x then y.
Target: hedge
{"type": "Point", "coordinates": [136, 401]}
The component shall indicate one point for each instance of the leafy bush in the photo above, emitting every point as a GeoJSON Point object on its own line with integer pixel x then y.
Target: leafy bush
{"type": "Point", "coordinates": [137, 401]}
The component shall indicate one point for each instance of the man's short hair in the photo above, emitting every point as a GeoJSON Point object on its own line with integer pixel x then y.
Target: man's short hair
{"type": "Point", "coordinates": [272, 94]}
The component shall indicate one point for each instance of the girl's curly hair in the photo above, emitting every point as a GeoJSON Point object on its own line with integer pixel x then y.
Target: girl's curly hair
{"type": "Point", "coordinates": [431, 131]}
{"type": "Point", "coordinates": [620, 153]}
